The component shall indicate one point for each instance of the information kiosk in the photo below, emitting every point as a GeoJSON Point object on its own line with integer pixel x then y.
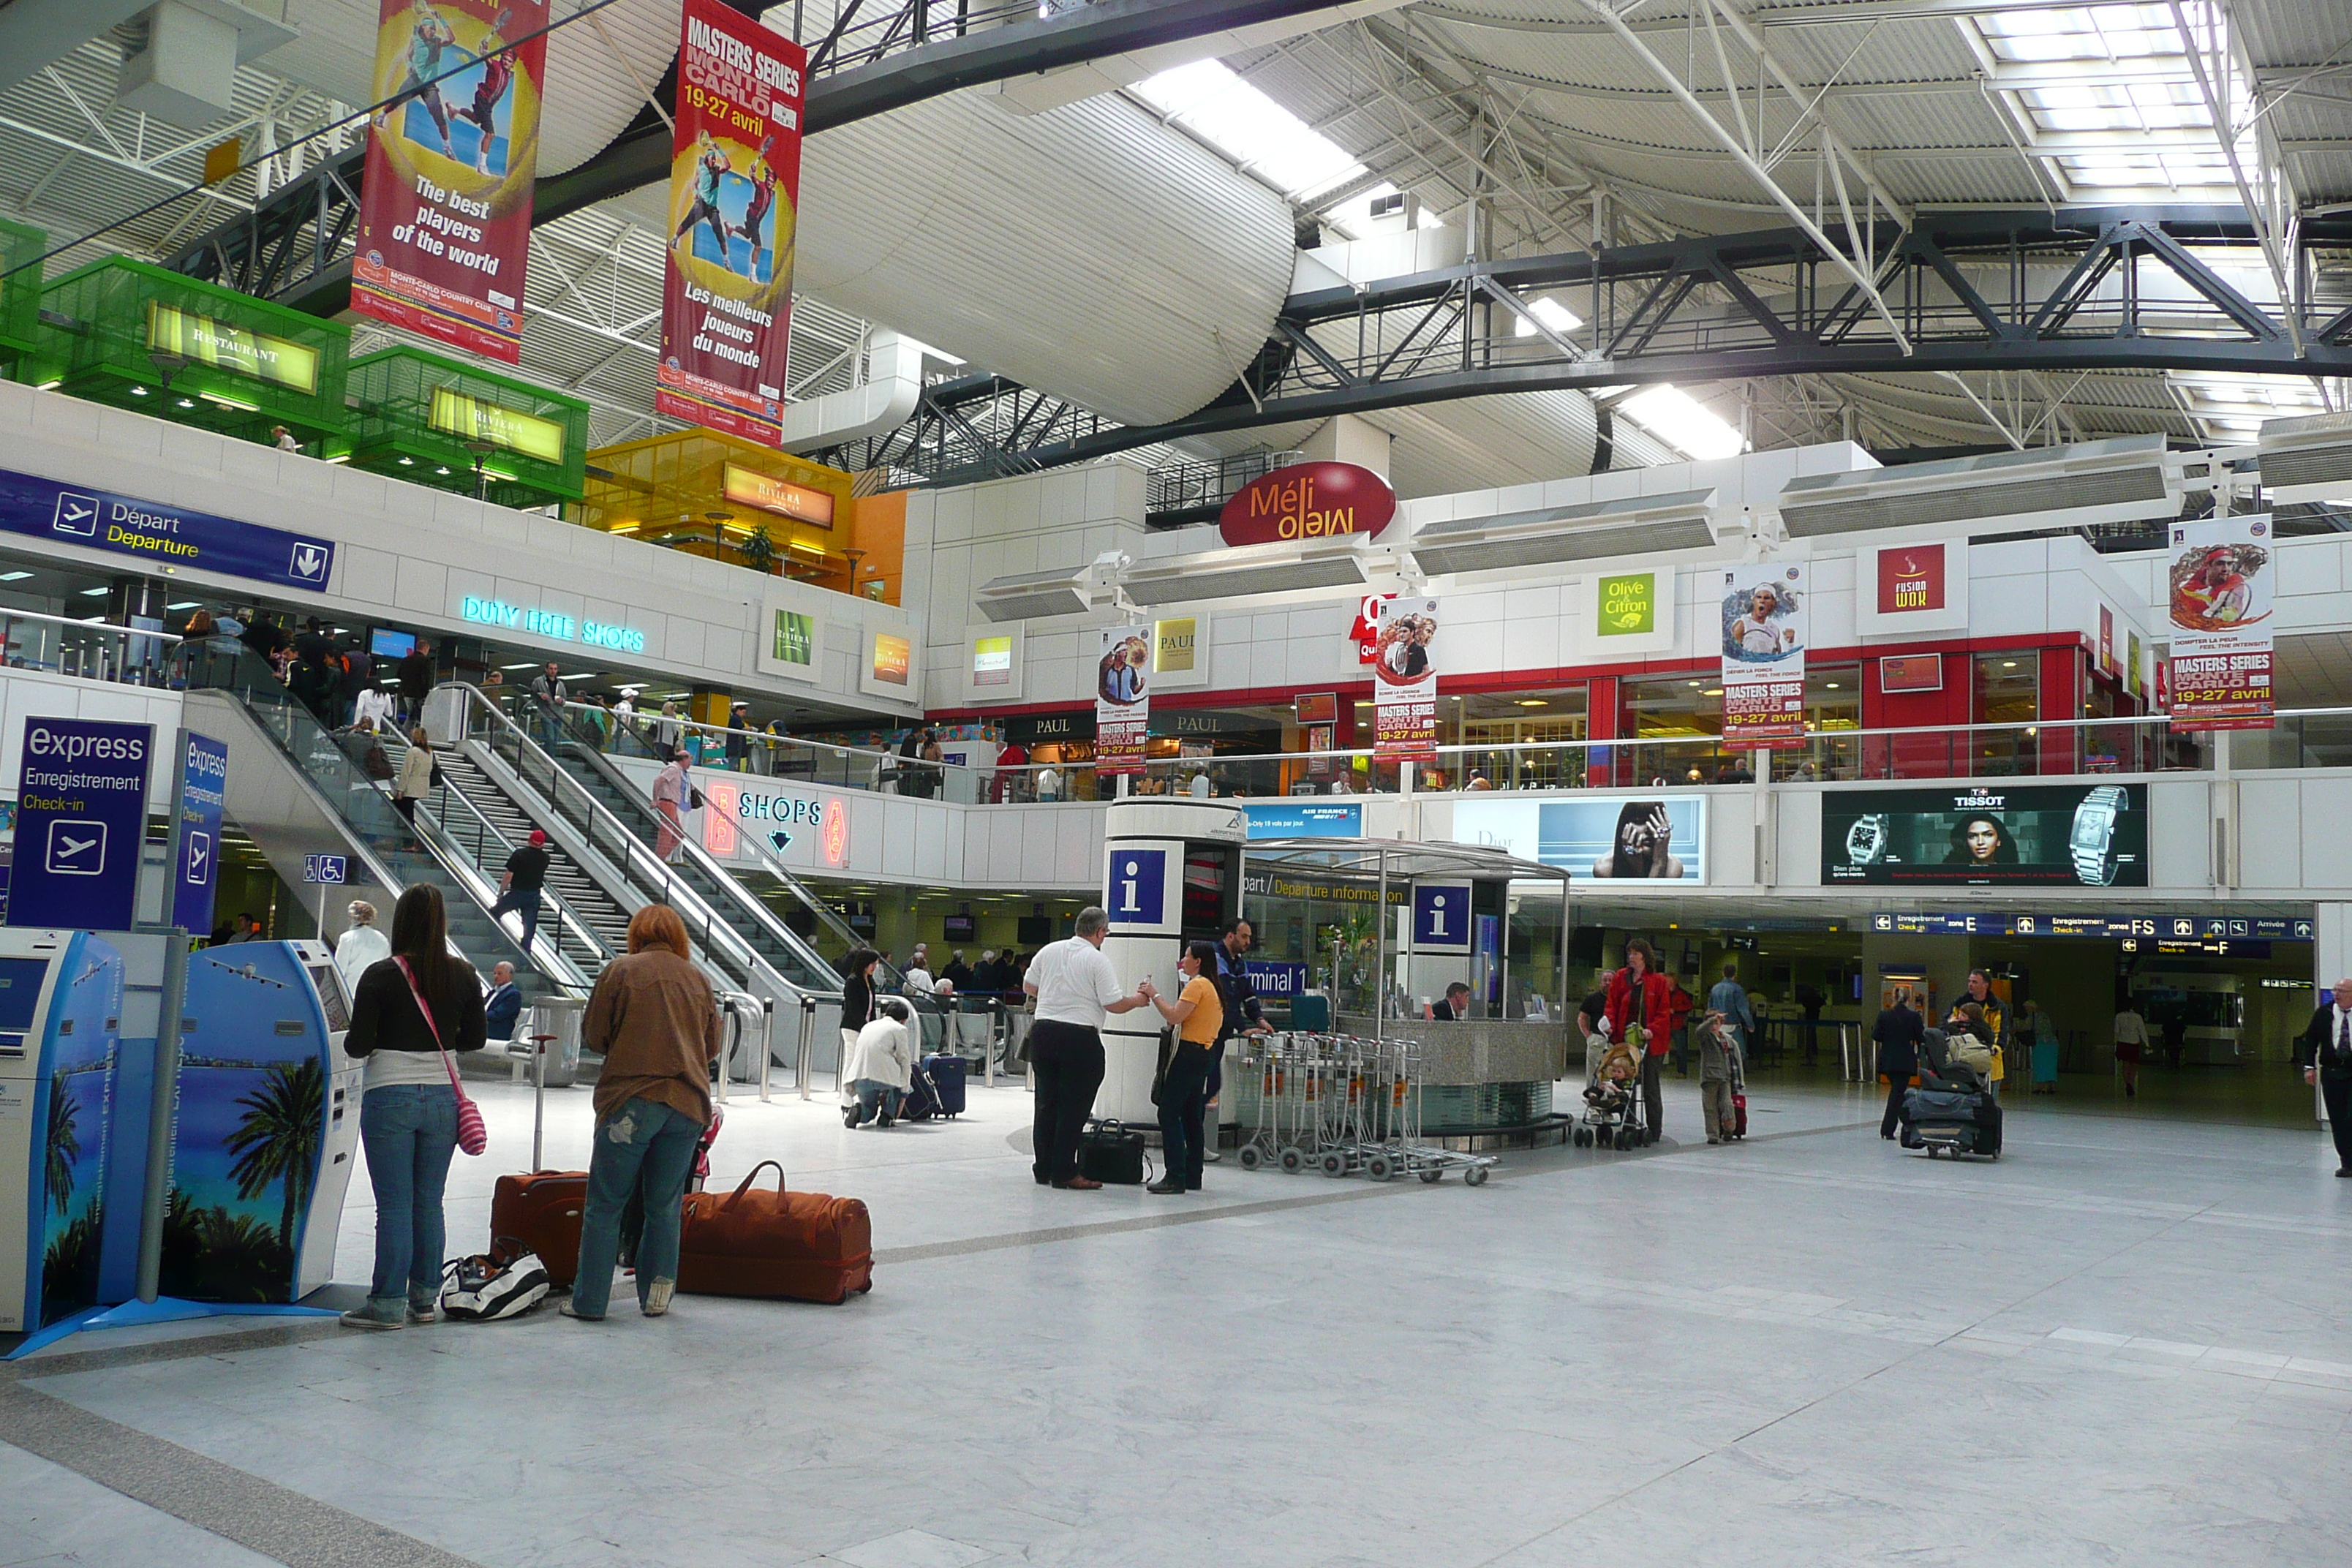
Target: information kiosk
{"type": "Point", "coordinates": [60, 1012]}
{"type": "Point", "coordinates": [1171, 873]}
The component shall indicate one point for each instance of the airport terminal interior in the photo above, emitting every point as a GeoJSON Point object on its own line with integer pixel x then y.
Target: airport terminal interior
{"type": "Point", "coordinates": [1286, 784]}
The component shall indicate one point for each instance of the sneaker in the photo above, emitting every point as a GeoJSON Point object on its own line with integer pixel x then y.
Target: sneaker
{"type": "Point", "coordinates": [1170, 1188]}
{"type": "Point", "coordinates": [849, 1116]}
{"type": "Point", "coordinates": [428, 1314]}
{"type": "Point", "coordinates": [657, 1295]}
{"type": "Point", "coordinates": [566, 1311]}
{"type": "Point", "coordinates": [366, 1318]}
{"type": "Point", "coordinates": [1210, 1156]}
{"type": "Point", "coordinates": [1711, 1141]}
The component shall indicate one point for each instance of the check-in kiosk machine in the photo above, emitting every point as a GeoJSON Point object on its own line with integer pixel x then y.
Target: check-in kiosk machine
{"type": "Point", "coordinates": [265, 1125]}
{"type": "Point", "coordinates": [1171, 873]}
{"type": "Point", "coordinates": [60, 1012]}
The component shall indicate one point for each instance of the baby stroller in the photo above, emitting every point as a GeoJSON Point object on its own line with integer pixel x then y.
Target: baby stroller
{"type": "Point", "coordinates": [1613, 1116]}
{"type": "Point", "coordinates": [1952, 1110]}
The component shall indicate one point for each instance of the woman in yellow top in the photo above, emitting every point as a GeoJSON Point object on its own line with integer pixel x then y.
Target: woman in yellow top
{"type": "Point", "coordinates": [1198, 1014]}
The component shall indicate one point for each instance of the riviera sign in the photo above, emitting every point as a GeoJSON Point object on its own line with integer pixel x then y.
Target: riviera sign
{"type": "Point", "coordinates": [549, 623]}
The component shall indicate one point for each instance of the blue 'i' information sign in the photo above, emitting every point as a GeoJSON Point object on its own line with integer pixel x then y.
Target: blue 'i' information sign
{"type": "Point", "coordinates": [196, 830]}
{"type": "Point", "coordinates": [82, 823]}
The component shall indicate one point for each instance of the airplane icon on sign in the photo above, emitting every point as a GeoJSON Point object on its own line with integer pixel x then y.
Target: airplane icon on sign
{"type": "Point", "coordinates": [200, 857]}
{"type": "Point", "coordinates": [76, 849]}
{"type": "Point", "coordinates": [76, 514]}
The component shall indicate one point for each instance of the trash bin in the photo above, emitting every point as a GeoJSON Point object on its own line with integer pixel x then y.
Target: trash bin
{"type": "Point", "coordinates": [561, 1016]}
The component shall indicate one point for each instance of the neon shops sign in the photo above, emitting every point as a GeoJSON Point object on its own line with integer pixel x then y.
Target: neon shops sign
{"type": "Point", "coordinates": [548, 624]}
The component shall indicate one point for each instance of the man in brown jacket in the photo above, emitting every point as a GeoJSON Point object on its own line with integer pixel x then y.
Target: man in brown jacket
{"type": "Point", "coordinates": [653, 1018]}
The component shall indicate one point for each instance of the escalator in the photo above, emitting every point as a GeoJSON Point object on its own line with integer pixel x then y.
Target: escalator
{"type": "Point", "coordinates": [299, 789]}
{"type": "Point", "coordinates": [606, 835]}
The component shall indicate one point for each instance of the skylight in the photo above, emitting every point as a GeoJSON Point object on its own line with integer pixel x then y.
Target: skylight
{"type": "Point", "coordinates": [2233, 407]}
{"type": "Point", "coordinates": [1266, 140]}
{"type": "Point", "coordinates": [1552, 314]}
{"type": "Point", "coordinates": [1678, 419]}
{"type": "Point", "coordinates": [2129, 78]}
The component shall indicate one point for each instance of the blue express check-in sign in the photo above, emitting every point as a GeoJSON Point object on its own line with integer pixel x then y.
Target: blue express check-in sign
{"type": "Point", "coordinates": [173, 536]}
{"type": "Point", "coordinates": [81, 819]}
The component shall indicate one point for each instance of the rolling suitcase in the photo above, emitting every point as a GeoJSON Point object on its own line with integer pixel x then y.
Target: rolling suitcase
{"type": "Point", "coordinates": [541, 1211]}
{"type": "Point", "coordinates": [805, 1247]}
{"type": "Point", "coordinates": [947, 1075]}
{"type": "Point", "coordinates": [920, 1102]}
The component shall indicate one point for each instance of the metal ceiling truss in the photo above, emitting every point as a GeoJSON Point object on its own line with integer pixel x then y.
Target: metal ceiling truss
{"type": "Point", "coordinates": [1972, 291]}
{"type": "Point", "coordinates": [976, 427]}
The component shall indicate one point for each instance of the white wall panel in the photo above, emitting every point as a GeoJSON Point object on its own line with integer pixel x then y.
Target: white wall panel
{"type": "Point", "coordinates": [2179, 836]}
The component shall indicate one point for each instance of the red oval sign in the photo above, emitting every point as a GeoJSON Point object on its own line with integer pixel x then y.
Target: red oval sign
{"type": "Point", "coordinates": [1307, 500]}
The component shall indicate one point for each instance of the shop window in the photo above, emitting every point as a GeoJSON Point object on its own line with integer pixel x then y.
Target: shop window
{"type": "Point", "coordinates": [2007, 692]}
{"type": "Point", "coordinates": [1492, 723]}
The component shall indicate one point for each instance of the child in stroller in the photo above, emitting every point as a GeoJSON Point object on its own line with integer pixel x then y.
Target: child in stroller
{"type": "Point", "coordinates": [1613, 1097]}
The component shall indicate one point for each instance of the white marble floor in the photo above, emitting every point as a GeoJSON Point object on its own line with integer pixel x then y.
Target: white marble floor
{"type": "Point", "coordinates": [2126, 1342]}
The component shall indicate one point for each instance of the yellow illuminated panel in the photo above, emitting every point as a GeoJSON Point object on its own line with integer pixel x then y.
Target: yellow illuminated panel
{"type": "Point", "coordinates": [478, 419]}
{"type": "Point", "coordinates": [747, 487]}
{"type": "Point", "coordinates": [200, 339]}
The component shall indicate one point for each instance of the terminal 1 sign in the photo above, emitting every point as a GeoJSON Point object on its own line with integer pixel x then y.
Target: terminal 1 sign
{"type": "Point", "coordinates": [1307, 500]}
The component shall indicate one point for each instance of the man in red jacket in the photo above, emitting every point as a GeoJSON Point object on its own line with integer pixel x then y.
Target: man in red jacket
{"type": "Point", "coordinates": [1639, 994]}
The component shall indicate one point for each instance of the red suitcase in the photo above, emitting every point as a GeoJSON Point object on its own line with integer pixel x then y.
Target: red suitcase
{"type": "Point", "coordinates": [805, 1246]}
{"type": "Point", "coordinates": [542, 1212]}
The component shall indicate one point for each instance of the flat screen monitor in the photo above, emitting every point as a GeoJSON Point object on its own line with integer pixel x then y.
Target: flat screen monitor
{"type": "Point", "coordinates": [385, 642]}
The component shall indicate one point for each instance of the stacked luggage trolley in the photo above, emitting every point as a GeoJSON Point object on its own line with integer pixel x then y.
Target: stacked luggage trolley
{"type": "Point", "coordinates": [1341, 1104]}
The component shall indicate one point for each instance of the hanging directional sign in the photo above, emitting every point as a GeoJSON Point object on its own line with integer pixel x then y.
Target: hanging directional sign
{"type": "Point", "coordinates": [168, 535]}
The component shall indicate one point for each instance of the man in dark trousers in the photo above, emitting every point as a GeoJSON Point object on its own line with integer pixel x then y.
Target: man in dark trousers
{"type": "Point", "coordinates": [2325, 1054]}
{"type": "Point", "coordinates": [415, 672]}
{"type": "Point", "coordinates": [503, 1005]}
{"type": "Point", "coordinates": [1075, 987]}
{"type": "Point", "coordinates": [1243, 1014]}
{"type": "Point", "coordinates": [1899, 1031]}
{"type": "Point", "coordinates": [519, 888]}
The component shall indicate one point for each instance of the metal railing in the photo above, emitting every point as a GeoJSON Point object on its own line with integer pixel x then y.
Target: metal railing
{"type": "Point", "coordinates": [89, 650]}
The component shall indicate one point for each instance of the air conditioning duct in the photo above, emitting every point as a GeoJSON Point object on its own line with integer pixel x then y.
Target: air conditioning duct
{"type": "Point", "coordinates": [1033, 595]}
{"type": "Point", "coordinates": [2123, 480]}
{"type": "Point", "coordinates": [1283, 567]}
{"type": "Point", "coordinates": [2306, 458]}
{"type": "Point", "coordinates": [1631, 525]}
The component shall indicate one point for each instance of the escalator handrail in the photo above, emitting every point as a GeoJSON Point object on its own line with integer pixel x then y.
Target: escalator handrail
{"type": "Point", "coordinates": [248, 673]}
{"type": "Point", "coordinates": [772, 862]}
{"type": "Point", "coordinates": [641, 866]}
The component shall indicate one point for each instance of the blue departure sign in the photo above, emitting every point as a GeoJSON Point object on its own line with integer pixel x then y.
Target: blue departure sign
{"type": "Point", "coordinates": [170, 535]}
{"type": "Point", "coordinates": [82, 823]}
{"type": "Point", "coordinates": [196, 830]}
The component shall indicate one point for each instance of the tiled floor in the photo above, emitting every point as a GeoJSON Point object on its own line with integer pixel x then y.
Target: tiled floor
{"type": "Point", "coordinates": [2125, 1342]}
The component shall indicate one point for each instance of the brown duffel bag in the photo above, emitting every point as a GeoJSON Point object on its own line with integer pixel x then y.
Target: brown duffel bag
{"type": "Point", "coordinates": [805, 1246]}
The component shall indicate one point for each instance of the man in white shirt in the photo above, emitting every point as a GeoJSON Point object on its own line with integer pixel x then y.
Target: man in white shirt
{"type": "Point", "coordinates": [1075, 987]}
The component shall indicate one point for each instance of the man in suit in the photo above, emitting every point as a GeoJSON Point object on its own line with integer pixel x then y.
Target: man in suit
{"type": "Point", "coordinates": [503, 1005]}
{"type": "Point", "coordinates": [2325, 1054]}
{"type": "Point", "coordinates": [1455, 1006]}
{"type": "Point", "coordinates": [1899, 1031]}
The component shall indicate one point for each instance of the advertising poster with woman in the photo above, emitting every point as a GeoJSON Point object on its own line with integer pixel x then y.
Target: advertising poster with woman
{"type": "Point", "coordinates": [1404, 680]}
{"type": "Point", "coordinates": [1763, 617]}
{"type": "Point", "coordinates": [1122, 699]}
{"type": "Point", "coordinates": [445, 214]}
{"type": "Point", "coordinates": [734, 200]}
{"type": "Point", "coordinates": [2220, 600]}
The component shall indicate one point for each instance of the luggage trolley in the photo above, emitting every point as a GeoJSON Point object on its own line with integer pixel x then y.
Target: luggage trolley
{"type": "Point", "coordinates": [1403, 1152]}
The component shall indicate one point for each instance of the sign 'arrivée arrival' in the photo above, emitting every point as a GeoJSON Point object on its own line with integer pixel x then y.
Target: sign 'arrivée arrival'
{"type": "Point", "coordinates": [174, 536]}
{"type": "Point", "coordinates": [1307, 500]}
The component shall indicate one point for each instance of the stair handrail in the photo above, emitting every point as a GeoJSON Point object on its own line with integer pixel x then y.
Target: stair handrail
{"type": "Point", "coordinates": [639, 864]}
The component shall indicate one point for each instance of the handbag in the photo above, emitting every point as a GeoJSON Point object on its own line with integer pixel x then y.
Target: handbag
{"type": "Point", "coordinates": [693, 798]}
{"type": "Point", "coordinates": [472, 1136]}
{"type": "Point", "coordinates": [1166, 1055]}
{"type": "Point", "coordinates": [1112, 1153]}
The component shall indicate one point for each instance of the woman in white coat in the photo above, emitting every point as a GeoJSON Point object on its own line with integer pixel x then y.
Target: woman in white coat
{"type": "Point", "coordinates": [881, 1067]}
{"type": "Point", "coordinates": [362, 944]}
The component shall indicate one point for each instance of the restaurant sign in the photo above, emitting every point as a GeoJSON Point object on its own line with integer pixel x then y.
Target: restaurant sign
{"type": "Point", "coordinates": [1307, 500]}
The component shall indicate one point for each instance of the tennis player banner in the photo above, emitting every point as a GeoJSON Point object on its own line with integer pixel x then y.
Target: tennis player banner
{"type": "Point", "coordinates": [2219, 588]}
{"type": "Point", "coordinates": [734, 198]}
{"type": "Point", "coordinates": [1763, 619]}
{"type": "Point", "coordinates": [1122, 699]}
{"type": "Point", "coordinates": [445, 214]}
{"type": "Point", "coordinates": [1404, 680]}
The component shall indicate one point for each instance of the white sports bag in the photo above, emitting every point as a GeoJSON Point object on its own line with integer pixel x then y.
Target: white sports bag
{"type": "Point", "coordinates": [505, 1282]}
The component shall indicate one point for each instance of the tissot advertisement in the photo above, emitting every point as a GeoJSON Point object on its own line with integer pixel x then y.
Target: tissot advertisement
{"type": "Point", "coordinates": [1987, 836]}
{"type": "Point", "coordinates": [2219, 597]}
{"type": "Point", "coordinates": [1404, 680]}
{"type": "Point", "coordinates": [444, 217]}
{"type": "Point", "coordinates": [1608, 837]}
{"type": "Point", "coordinates": [1763, 653]}
{"type": "Point", "coordinates": [735, 180]}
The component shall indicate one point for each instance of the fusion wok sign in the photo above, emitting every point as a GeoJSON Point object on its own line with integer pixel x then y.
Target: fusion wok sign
{"type": "Point", "coordinates": [1307, 500]}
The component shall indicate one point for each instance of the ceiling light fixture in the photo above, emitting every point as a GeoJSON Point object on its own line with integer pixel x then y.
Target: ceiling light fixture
{"type": "Point", "coordinates": [14, 576]}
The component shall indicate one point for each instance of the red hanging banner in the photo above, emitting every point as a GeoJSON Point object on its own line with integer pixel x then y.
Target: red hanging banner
{"type": "Point", "coordinates": [734, 201]}
{"type": "Point", "coordinates": [445, 214]}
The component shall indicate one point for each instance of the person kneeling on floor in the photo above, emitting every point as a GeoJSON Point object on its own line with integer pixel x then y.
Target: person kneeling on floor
{"type": "Point", "coordinates": [881, 1066]}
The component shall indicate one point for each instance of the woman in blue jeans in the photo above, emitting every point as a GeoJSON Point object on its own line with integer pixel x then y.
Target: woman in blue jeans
{"type": "Point", "coordinates": [653, 1018]}
{"type": "Point", "coordinates": [408, 1118]}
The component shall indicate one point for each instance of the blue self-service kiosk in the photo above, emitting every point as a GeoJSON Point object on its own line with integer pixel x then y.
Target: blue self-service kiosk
{"type": "Point", "coordinates": [60, 1014]}
{"type": "Point", "coordinates": [265, 1125]}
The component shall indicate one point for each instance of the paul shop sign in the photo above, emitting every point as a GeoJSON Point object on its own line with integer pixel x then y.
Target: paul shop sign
{"type": "Point", "coordinates": [1307, 500]}
{"type": "Point", "coordinates": [125, 525]}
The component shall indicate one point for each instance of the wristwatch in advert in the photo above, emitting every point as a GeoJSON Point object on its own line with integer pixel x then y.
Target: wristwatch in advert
{"type": "Point", "coordinates": [2092, 843]}
{"type": "Point", "coordinates": [1865, 841]}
